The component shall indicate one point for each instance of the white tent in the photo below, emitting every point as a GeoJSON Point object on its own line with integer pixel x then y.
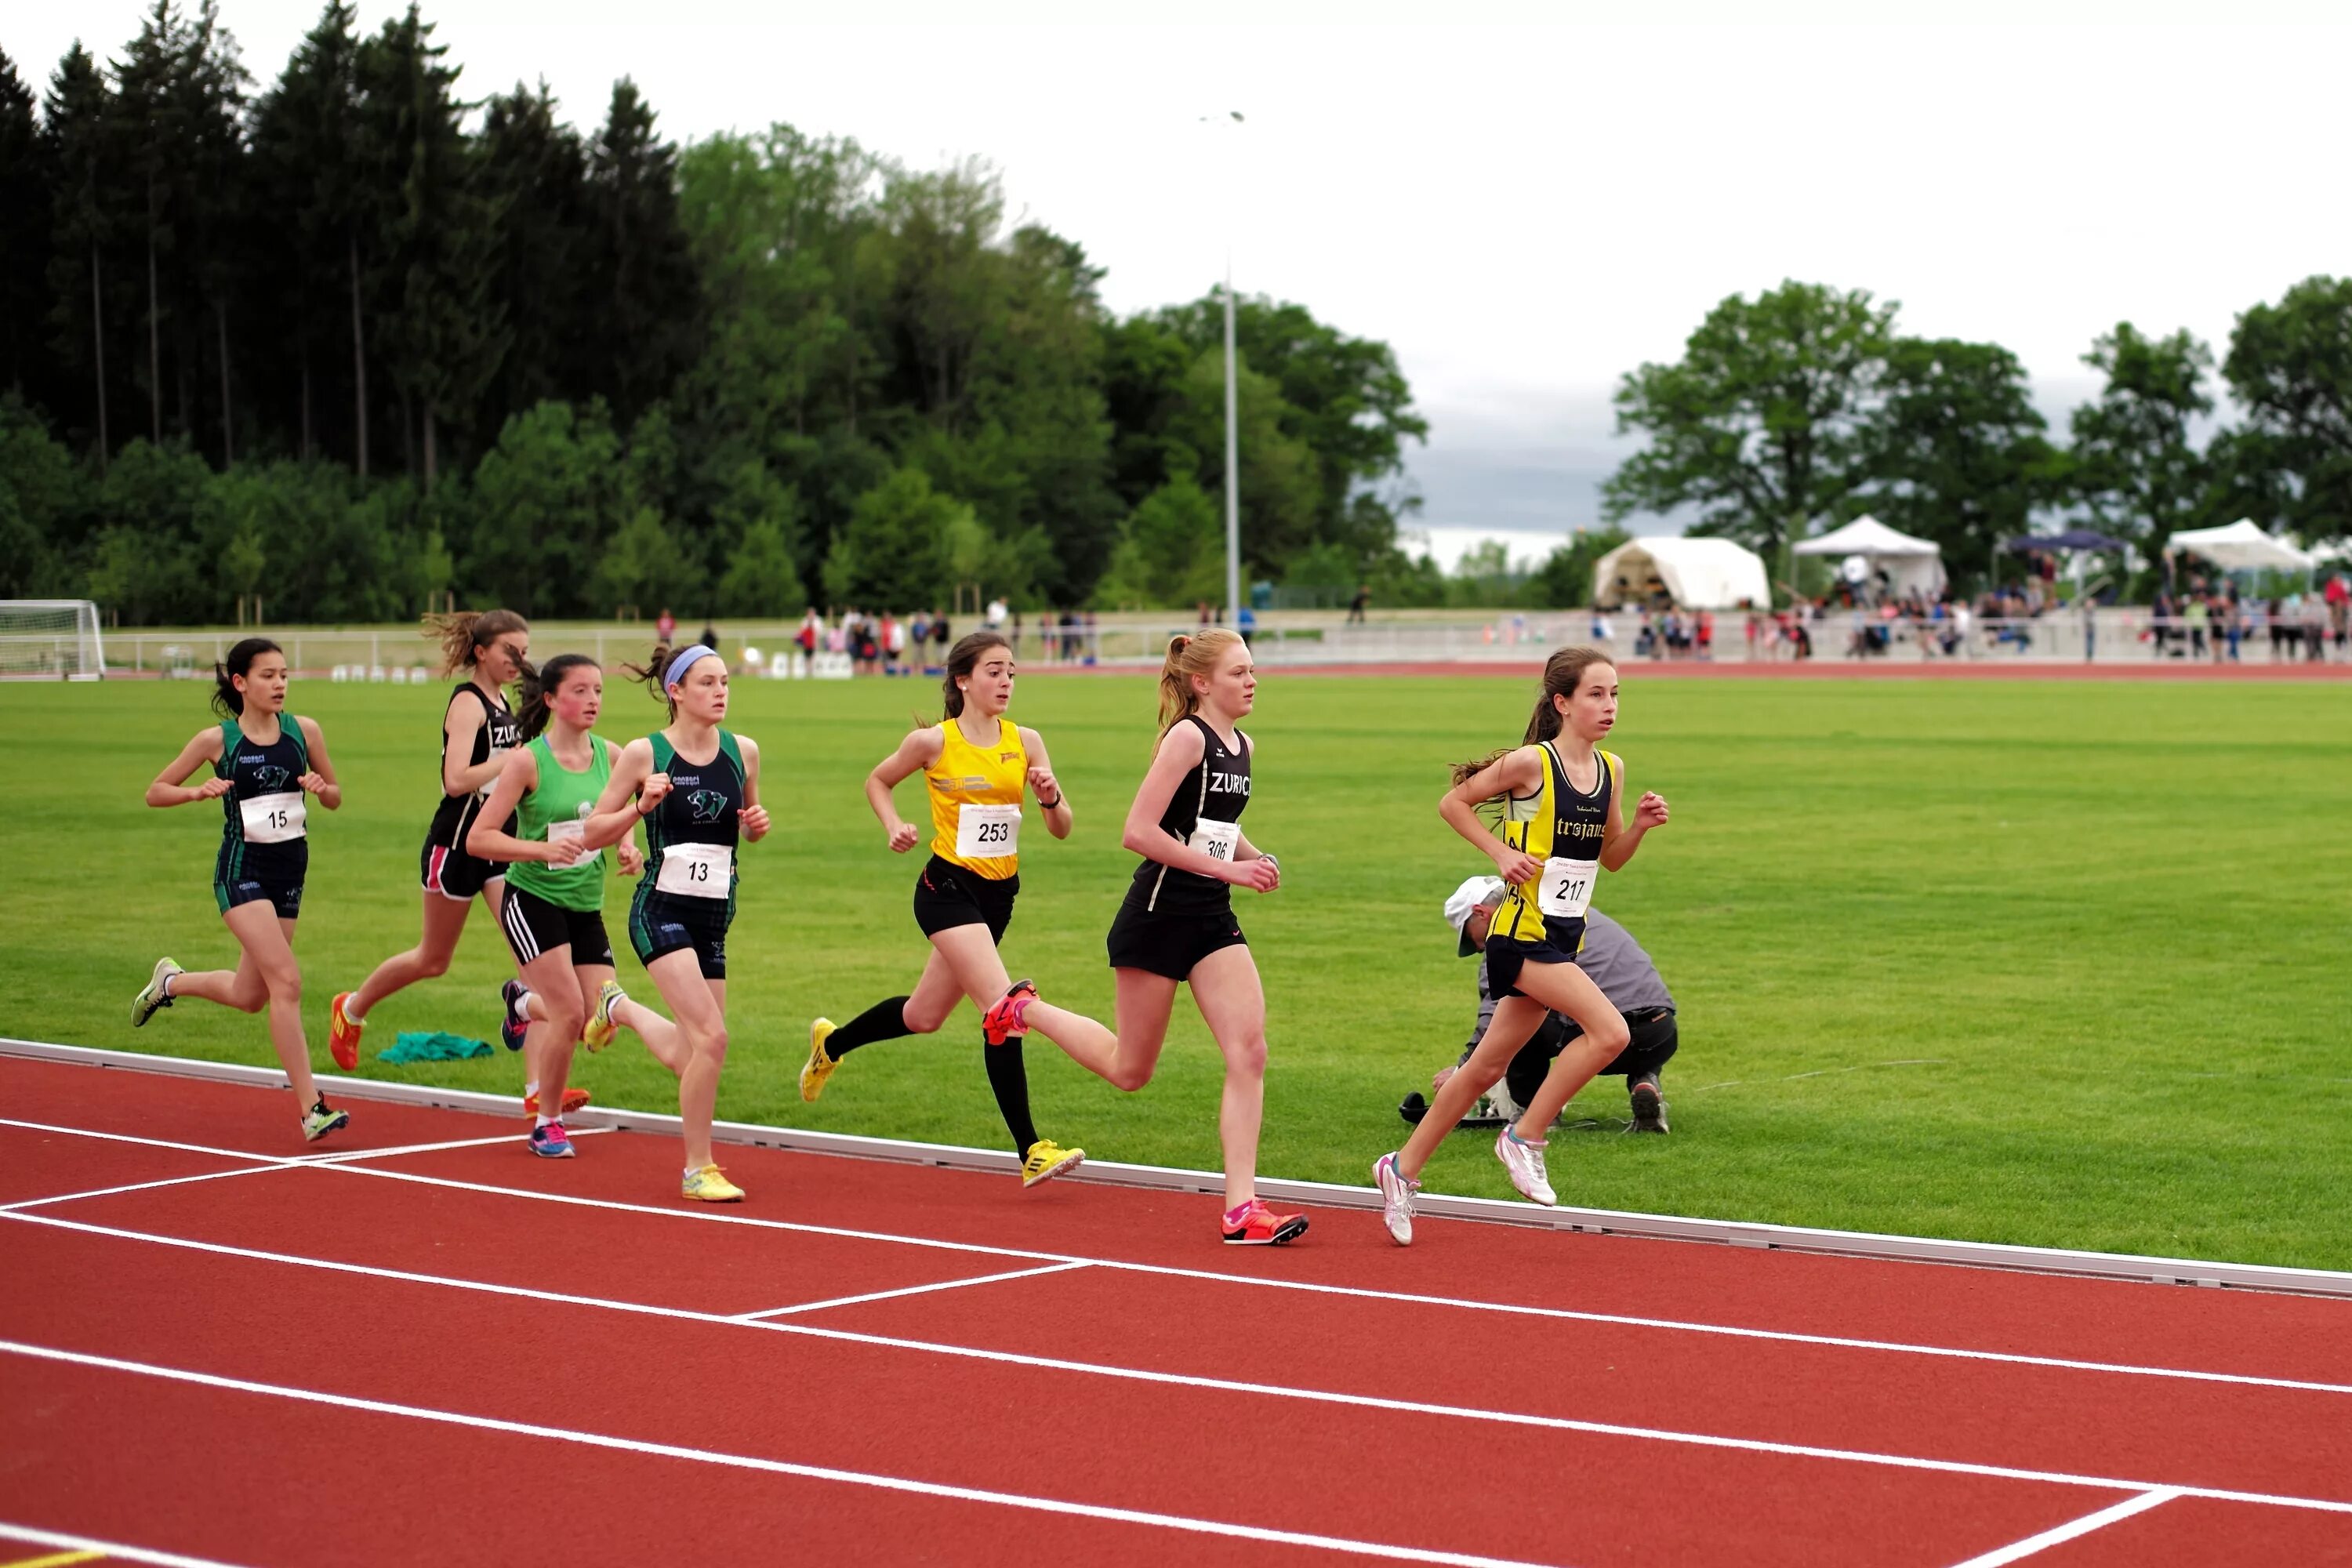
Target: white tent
{"type": "Point", "coordinates": [1695, 573]}
{"type": "Point", "coordinates": [2240, 546]}
{"type": "Point", "coordinates": [1908, 562]}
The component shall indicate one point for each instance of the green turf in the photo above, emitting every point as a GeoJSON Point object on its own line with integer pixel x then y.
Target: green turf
{"type": "Point", "coordinates": [2050, 963]}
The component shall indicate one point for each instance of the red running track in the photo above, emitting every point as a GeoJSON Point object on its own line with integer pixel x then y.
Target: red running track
{"type": "Point", "coordinates": [220, 1346]}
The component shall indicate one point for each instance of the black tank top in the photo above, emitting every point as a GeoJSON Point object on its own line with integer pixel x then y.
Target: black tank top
{"type": "Point", "coordinates": [1217, 791]}
{"type": "Point", "coordinates": [259, 773]}
{"type": "Point", "coordinates": [705, 806]}
{"type": "Point", "coordinates": [501, 731]}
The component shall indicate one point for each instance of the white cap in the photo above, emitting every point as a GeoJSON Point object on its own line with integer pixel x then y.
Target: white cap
{"type": "Point", "coordinates": [1472, 893]}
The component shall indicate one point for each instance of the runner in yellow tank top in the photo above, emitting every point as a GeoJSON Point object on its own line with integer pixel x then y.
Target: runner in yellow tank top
{"type": "Point", "coordinates": [977, 765]}
{"type": "Point", "coordinates": [1563, 823]}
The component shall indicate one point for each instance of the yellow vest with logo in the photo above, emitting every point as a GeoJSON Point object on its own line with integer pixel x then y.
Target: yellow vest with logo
{"type": "Point", "coordinates": [969, 774]}
{"type": "Point", "coordinates": [1557, 820]}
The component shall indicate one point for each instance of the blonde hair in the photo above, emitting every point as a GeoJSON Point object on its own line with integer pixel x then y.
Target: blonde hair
{"type": "Point", "coordinates": [1188, 657]}
{"type": "Point", "coordinates": [465, 634]}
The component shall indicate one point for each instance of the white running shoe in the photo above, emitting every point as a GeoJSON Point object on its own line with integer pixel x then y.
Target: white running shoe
{"type": "Point", "coordinates": [1524, 1162]}
{"type": "Point", "coordinates": [1397, 1193]}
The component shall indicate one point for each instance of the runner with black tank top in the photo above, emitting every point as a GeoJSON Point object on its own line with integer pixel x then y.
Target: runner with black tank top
{"type": "Point", "coordinates": [977, 766]}
{"type": "Point", "coordinates": [696, 787]}
{"type": "Point", "coordinates": [1177, 924]}
{"type": "Point", "coordinates": [1562, 824]}
{"type": "Point", "coordinates": [477, 729]}
{"type": "Point", "coordinates": [267, 764]}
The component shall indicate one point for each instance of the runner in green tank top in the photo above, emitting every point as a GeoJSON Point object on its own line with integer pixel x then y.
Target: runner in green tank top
{"type": "Point", "coordinates": [696, 786]}
{"type": "Point", "coordinates": [553, 913]}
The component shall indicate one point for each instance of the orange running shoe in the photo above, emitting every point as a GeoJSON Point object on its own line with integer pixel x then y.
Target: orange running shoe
{"type": "Point", "coordinates": [342, 1034]}
{"type": "Point", "coordinates": [574, 1099]}
{"type": "Point", "coordinates": [1255, 1224]}
{"type": "Point", "coordinates": [1009, 1020]}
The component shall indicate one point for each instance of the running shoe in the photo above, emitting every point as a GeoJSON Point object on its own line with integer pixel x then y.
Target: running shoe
{"type": "Point", "coordinates": [1649, 1107]}
{"type": "Point", "coordinates": [322, 1118]}
{"type": "Point", "coordinates": [150, 995]}
{"type": "Point", "coordinates": [1525, 1163]}
{"type": "Point", "coordinates": [574, 1099]}
{"type": "Point", "coordinates": [600, 1028]}
{"type": "Point", "coordinates": [342, 1034]}
{"type": "Point", "coordinates": [1009, 1020]}
{"type": "Point", "coordinates": [511, 1028]}
{"type": "Point", "coordinates": [821, 1063]}
{"type": "Point", "coordinates": [1397, 1193]}
{"type": "Point", "coordinates": [1047, 1159]}
{"type": "Point", "coordinates": [1255, 1224]}
{"type": "Point", "coordinates": [549, 1141]}
{"type": "Point", "coordinates": [706, 1184]}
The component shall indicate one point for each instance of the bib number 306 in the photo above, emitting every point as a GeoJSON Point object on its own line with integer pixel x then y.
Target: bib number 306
{"type": "Point", "coordinates": [1566, 890]}
{"type": "Point", "coordinates": [987, 832]}
{"type": "Point", "coordinates": [1217, 840]}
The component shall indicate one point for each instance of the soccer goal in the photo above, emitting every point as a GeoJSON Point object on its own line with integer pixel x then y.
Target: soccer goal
{"type": "Point", "coordinates": [50, 639]}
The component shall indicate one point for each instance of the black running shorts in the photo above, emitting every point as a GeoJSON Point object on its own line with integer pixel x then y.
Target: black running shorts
{"type": "Point", "coordinates": [948, 895]}
{"type": "Point", "coordinates": [1169, 945]}
{"type": "Point", "coordinates": [534, 927]}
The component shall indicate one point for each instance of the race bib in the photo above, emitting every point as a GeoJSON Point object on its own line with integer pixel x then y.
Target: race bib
{"type": "Point", "coordinates": [1217, 840]}
{"type": "Point", "coordinates": [557, 832]}
{"type": "Point", "coordinates": [496, 753]}
{"type": "Point", "coordinates": [1566, 891]}
{"type": "Point", "coordinates": [984, 832]}
{"type": "Point", "coordinates": [274, 818]}
{"type": "Point", "coordinates": [697, 870]}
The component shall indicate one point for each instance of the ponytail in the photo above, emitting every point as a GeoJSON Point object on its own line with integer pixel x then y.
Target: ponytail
{"type": "Point", "coordinates": [228, 701]}
{"type": "Point", "coordinates": [1562, 673]}
{"type": "Point", "coordinates": [464, 635]}
{"type": "Point", "coordinates": [531, 711]}
{"type": "Point", "coordinates": [962, 659]}
{"type": "Point", "coordinates": [652, 673]}
{"type": "Point", "coordinates": [1187, 656]}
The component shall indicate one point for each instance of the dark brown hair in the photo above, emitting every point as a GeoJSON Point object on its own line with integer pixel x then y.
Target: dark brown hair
{"type": "Point", "coordinates": [228, 701]}
{"type": "Point", "coordinates": [531, 711]}
{"type": "Point", "coordinates": [652, 674]}
{"type": "Point", "coordinates": [1563, 672]}
{"type": "Point", "coordinates": [465, 634]}
{"type": "Point", "coordinates": [962, 659]}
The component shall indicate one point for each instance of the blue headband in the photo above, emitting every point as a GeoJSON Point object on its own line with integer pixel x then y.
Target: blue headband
{"type": "Point", "coordinates": [677, 665]}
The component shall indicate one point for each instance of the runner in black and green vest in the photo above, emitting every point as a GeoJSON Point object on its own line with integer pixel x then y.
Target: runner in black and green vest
{"type": "Point", "coordinates": [264, 760]}
{"type": "Point", "coordinates": [697, 788]}
{"type": "Point", "coordinates": [553, 915]}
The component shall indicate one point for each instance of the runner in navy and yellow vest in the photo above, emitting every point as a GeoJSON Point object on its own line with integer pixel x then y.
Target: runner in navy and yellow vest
{"type": "Point", "coordinates": [1563, 823]}
{"type": "Point", "coordinates": [1177, 925]}
{"type": "Point", "coordinates": [976, 768]}
{"type": "Point", "coordinates": [477, 729]}
{"type": "Point", "coordinates": [536, 824]}
{"type": "Point", "coordinates": [264, 763]}
{"type": "Point", "coordinates": [696, 786]}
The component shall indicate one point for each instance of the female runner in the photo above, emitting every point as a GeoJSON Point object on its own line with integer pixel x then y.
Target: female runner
{"type": "Point", "coordinates": [1562, 824]}
{"type": "Point", "coordinates": [1177, 922]}
{"type": "Point", "coordinates": [263, 764]}
{"type": "Point", "coordinates": [553, 913]}
{"type": "Point", "coordinates": [976, 766]}
{"type": "Point", "coordinates": [697, 789]}
{"type": "Point", "coordinates": [477, 729]}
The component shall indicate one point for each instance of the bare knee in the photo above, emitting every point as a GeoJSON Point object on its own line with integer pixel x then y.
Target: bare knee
{"type": "Point", "coordinates": [432, 965]}
{"type": "Point", "coordinates": [1611, 1037]}
{"type": "Point", "coordinates": [1130, 1076]}
{"type": "Point", "coordinates": [283, 987]}
{"type": "Point", "coordinates": [924, 1020]}
{"type": "Point", "coordinates": [250, 994]}
{"type": "Point", "coordinates": [711, 1043]}
{"type": "Point", "coordinates": [565, 1018]}
{"type": "Point", "coordinates": [1246, 1059]}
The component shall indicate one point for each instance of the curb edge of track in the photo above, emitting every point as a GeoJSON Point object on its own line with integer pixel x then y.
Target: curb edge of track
{"type": "Point", "coordinates": [1751, 1234]}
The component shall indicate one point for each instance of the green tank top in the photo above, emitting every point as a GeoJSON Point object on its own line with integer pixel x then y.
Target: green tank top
{"type": "Point", "coordinates": [561, 797]}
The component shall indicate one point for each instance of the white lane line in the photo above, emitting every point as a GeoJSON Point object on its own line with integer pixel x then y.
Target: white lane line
{"type": "Point", "coordinates": [771, 1466]}
{"type": "Point", "coordinates": [1216, 1384]}
{"type": "Point", "coordinates": [908, 1290]}
{"type": "Point", "coordinates": [1559, 1314]}
{"type": "Point", "coordinates": [345, 1156]}
{"type": "Point", "coordinates": [64, 1542]}
{"type": "Point", "coordinates": [142, 1186]}
{"type": "Point", "coordinates": [149, 1143]}
{"type": "Point", "coordinates": [2016, 1549]}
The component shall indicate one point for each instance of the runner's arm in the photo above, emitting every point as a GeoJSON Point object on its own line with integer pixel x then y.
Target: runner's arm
{"type": "Point", "coordinates": [320, 780]}
{"type": "Point", "coordinates": [170, 787]}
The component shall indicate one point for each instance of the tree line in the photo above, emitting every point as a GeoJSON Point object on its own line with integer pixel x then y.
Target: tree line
{"type": "Point", "coordinates": [351, 341]}
{"type": "Point", "coordinates": [1807, 406]}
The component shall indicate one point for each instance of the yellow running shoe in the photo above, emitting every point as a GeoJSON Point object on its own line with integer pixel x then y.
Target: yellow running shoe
{"type": "Point", "coordinates": [706, 1186]}
{"type": "Point", "coordinates": [1047, 1159]}
{"type": "Point", "coordinates": [819, 1067]}
{"type": "Point", "coordinates": [598, 1031]}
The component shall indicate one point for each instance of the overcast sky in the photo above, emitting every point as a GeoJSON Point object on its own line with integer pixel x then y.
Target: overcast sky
{"type": "Point", "coordinates": [1528, 204]}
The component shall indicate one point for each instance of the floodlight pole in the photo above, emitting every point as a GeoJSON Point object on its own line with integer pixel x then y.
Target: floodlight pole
{"type": "Point", "coordinates": [1233, 465]}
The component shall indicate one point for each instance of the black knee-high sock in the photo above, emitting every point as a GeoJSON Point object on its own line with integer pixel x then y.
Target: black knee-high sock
{"type": "Point", "coordinates": [1009, 1076]}
{"type": "Point", "coordinates": [882, 1021]}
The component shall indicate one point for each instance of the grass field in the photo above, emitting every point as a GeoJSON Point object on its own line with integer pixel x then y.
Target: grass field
{"type": "Point", "coordinates": [2050, 963]}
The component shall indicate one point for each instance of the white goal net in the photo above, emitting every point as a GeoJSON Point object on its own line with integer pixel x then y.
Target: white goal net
{"type": "Point", "coordinates": [50, 639]}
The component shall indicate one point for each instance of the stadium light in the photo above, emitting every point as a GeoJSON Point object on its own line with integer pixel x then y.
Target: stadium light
{"type": "Point", "coordinates": [1233, 437]}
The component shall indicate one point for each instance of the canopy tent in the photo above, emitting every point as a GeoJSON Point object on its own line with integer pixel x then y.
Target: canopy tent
{"type": "Point", "coordinates": [1907, 563]}
{"type": "Point", "coordinates": [1693, 573]}
{"type": "Point", "coordinates": [2240, 546]}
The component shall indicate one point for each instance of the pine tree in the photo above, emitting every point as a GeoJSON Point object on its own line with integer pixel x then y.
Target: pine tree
{"type": "Point", "coordinates": [535, 174]}
{"type": "Point", "coordinates": [642, 271]}
{"type": "Point", "coordinates": [77, 121]}
{"type": "Point", "coordinates": [27, 179]}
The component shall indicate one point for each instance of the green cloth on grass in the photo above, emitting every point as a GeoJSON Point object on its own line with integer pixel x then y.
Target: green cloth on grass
{"type": "Point", "coordinates": [416, 1046]}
